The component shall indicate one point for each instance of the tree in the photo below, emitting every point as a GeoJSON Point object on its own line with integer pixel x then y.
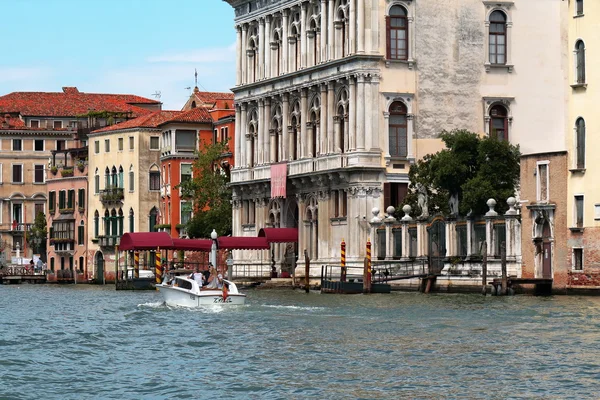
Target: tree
{"type": "Point", "coordinates": [209, 192]}
{"type": "Point", "coordinates": [36, 236]}
{"type": "Point", "coordinates": [471, 169]}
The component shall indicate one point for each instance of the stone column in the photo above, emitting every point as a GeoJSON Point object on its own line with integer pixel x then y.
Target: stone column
{"type": "Point", "coordinates": [303, 117]}
{"type": "Point", "coordinates": [360, 40]}
{"type": "Point", "coordinates": [422, 251]}
{"type": "Point", "coordinates": [513, 231]}
{"type": "Point", "coordinates": [303, 37]}
{"type": "Point", "coordinates": [284, 127]}
{"type": "Point", "coordinates": [272, 144]}
{"type": "Point", "coordinates": [339, 32]}
{"type": "Point", "coordinates": [309, 138]}
{"type": "Point", "coordinates": [411, 46]}
{"type": "Point", "coordinates": [324, 43]}
{"type": "Point", "coordinates": [490, 216]}
{"type": "Point", "coordinates": [375, 223]}
{"type": "Point", "coordinates": [243, 136]}
{"type": "Point", "coordinates": [375, 106]}
{"type": "Point", "coordinates": [470, 236]}
{"type": "Point", "coordinates": [239, 55]}
{"type": "Point", "coordinates": [330, 114]}
{"type": "Point", "coordinates": [243, 55]}
{"type": "Point", "coordinates": [238, 136]}
{"type": "Point", "coordinates": [389, 237]}
{"type": "Point", "coordinates": [450, 244]}
{"type": "Point", "coordinates": [368, 119]}
{"type": "Point", "coordinates": [284, 41]}
{"type": "Point", "coordinates": [266, 132]}
{"type": "Point", "coordinates": [249, 158]}
{"type": "Point", "coordinates": [261, 49]}
{"type": "Point", "coordinates": [352, 23]}
{"type": "Point", "coordinates": [409, 136]}
{"type": "Point", "coordinates": [323, 120]}
{"type": "Point", "coordinates": [360, 113]}
{"type": "Point", "coordinates": [267, 47]}
{"type": "Point", "coordinates": [352, 103]}
{"type": "Point", "coordinates": [337, 134]}
{"type": "Point", "coordinates": [330, 39]}
{"type": "Point", "coordinates": [406, 220]}
{"type": "Point", "coordinates": [260, 132]}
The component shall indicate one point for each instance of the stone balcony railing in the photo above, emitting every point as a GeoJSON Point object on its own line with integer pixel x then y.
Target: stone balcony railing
{"type": "Point", "coordinates": [109, 241]}
{"type": "Point", "coordinates": [112, 195]}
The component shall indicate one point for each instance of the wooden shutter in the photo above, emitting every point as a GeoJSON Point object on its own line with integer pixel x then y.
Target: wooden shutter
{"type": "Point", "coordinates": [388, 38]}
{"type": "Point", "coordinates": [387, 198]}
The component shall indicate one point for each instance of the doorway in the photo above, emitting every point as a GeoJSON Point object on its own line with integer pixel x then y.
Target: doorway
{"type": "Point", "coordinates": [546, 251]}
{"type": "Point", "coordinates": [99, 267]}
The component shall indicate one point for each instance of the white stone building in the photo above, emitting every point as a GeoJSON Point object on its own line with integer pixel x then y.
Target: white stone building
{"type": "Point", "coordinates": [348, 93]}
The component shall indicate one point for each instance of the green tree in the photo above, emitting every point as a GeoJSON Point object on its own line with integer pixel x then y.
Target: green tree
{"type": "Point", "coordinates": [38, 233]}
{"type": "Point", "coordinates": [209, 192]}
{"type": "Point", "coordinates": [471, 169]}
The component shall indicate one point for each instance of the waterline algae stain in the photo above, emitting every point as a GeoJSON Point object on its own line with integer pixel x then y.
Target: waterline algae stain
{"type": "Point", "coordinates": [94, 342]}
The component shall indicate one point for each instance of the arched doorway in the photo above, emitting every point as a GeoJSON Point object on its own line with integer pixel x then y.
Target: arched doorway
{"type": "Point", "coordinates": [99, 261]}
{"type": "Point", "coordinates": [546, 251]}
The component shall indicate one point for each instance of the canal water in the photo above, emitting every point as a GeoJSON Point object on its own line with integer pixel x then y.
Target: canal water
{"type": "Point", "coordinates": [90, 342]}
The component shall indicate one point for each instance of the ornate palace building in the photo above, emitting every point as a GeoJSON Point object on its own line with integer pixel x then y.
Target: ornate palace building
{"type": "Point", "coordinates": [335, 99]}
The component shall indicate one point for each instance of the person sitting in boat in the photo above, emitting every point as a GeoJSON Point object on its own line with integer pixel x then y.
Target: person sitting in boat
{"type": "Point", "coordinates": [220, 282]}
{"type": "Point", "coordinates": [213, 280]}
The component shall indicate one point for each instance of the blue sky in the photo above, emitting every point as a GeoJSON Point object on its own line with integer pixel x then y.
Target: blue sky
{"type": "Point", "coordinates": [117, 46]}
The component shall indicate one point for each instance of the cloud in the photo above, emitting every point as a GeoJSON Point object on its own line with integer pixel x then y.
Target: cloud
{"type": "Point", "coordinates": [208, 55]}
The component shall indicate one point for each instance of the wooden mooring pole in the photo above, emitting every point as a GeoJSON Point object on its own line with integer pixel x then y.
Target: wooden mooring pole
{"type": "Point", "coordinates": [343, 254]}
{"type": "Point", "coordinates": [158, 268]}
{"type": "Point", "coordinates": [306, 272]}
{"type": "Point", "coordinates": [484, 269]}
{"type": "Point", "coordinates": [503, 264]}
{"type": "Point", "coordinates": [367, 270]}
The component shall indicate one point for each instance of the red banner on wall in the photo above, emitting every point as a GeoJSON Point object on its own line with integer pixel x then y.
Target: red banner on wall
{"type": "Point", "coordinates": [278, 180]}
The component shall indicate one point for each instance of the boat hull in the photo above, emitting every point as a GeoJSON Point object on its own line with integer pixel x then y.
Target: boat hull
{"type": "Point", "coordinates": [175, 296]}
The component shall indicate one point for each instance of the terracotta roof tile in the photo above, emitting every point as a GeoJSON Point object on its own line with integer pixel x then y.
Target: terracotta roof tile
{"type": "Point", "coordinates": [211, 97]}
{"type": "Point", "coordinates": [198, 115]}
{"type": "Point", "coordinates": [70, 103]}
{"type": "Point", "coordinates": [152, 120]}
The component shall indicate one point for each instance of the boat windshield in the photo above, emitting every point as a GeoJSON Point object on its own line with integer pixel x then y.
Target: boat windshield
{"type": "Point", "coordinates": [182, 283]}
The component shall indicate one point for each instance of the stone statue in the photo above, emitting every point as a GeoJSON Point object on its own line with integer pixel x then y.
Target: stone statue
{"type": "Point", "coordinates": [422, 200]}
{"type": "Point", "coordinates": [453, 204]}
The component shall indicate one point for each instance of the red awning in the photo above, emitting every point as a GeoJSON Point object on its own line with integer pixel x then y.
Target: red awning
{"type": "Point", "coordinates": [192, 244]}
{"type": "Point", "coordinates": [145, 241]}
{"type": "Point", "coordinates": [279, 235]}
{"type": "Point", "coordinates": [242, 243]}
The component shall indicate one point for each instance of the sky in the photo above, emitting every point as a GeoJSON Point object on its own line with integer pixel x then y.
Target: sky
{"type": "Point", "coordinates": [141, 47]}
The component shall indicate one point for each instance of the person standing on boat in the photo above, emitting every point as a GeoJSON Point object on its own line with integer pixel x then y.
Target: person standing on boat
{"type": "Point", "coordinates": [198, 277]}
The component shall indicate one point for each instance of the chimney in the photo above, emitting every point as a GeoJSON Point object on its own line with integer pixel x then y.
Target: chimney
{"type": "Point", "coordinates": [70, 90]}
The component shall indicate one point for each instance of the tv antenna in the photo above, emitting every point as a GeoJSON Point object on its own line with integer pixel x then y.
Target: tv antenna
{"type": "Point", "coordinates": [157, 94]}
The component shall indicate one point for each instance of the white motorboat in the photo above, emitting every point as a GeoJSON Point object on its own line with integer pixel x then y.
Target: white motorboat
{"type": "Point", "coordinates": [186, 292]}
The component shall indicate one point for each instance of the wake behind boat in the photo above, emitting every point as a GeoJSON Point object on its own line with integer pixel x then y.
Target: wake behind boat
{"type": "Point", "coordinates": [184, 291]}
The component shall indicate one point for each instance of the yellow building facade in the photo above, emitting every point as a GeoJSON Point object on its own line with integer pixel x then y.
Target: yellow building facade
{"type": "Point", "coordinates": [583, 198]}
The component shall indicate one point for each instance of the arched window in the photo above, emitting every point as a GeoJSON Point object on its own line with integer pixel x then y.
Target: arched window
{"type": "Point", "coordinates": [294, 147]}
{"type": "Point", "coordinates": [253, 131]}
{"type": "Point", "coordinates": [96, 223]}
{"type": "Point", "coordinates": [499, 122]}
{"type": "Point", "coordinates": [131, 221]}
{"type": "Point", "coordinates": [340, 122]}
{"type": "Point", "coordinates": [397, 33]}
{"type": "Point", "coordinates": [81, 264]}
{"type": "Point", "coordinates": [114, 178]}
{"type": "Point", "coordinates": [398, 129]}
{"type": "Point", "coordinates": [193, 105]}
{"type": "Point", "coordinates": [96, 182]}
{"type": "Point", "coordinates": [152, 220]}
{"type": "Point", "coordinates": [114, 223]}
{"type": "Point", "coordinates": [106, 178]}
{"type": "Point", "coordinates": [120, 222]}
{"type": "Point", "coordinates": [579, 7]}
{"type": "Point", "coordinates": [121, 178]}
{"type": "Point", "coordinates": [580, 128]}
{"type": "Point", "coordinates": [580, 60]}
{"type": "Point", "coordinates": [154, 178]}
{"type": "Point", "coordinates": [81, 233]}
{"type": "Point", "coordinates": [131, 179]}
{"type": "Point", "coordinates": [498, 38]}
{"type": "Point", "coordinates": [106, 223]}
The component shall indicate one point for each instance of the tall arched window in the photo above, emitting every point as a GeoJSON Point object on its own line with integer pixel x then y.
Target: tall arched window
{"type": "Point", "coordinates": [498, 38]}
{"type": "Point", "coordinates": [398, 129]}
{"type": "Point", "coordinates": [96, 223]}
{"type": "Point", "coordinates": [121, 178]}
{"type": "Point", "coordinates": [253, 132]}
{"type": "Point", "coordinates": [131, 221]}
{"type": "Point", "coordinates": [152, 220]}
{"type": "Point", "coordinates": [96, 182]}
{"type": "Point", "coordinates": [115, 178]}
{"type": "Point", "coordinates": [580, 60]}
{"type": "Point", "coordinates": [114, 223]}
{"type": "Point", "coordinates": [397, 33]}
{"type": "Point", "coordinates": [106, 223]}
{"type": "Point", "coordinates": [131, 179]}
{"type": "Point", "coordinates": [120, 217]}
{"type": "Point", "coordinates": [580, 129]}
{"type": "Point", "coordinates": [499, 122]}
{"type": "Point", "coordinates": [106, 178]}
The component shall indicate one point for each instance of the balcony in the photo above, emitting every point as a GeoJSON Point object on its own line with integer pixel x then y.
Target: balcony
{"type": "Point", "coordinates": [109, 241]}
{"type": "Point", "coordinates": [112, 195]}
{"type": "Point", "coordinates": [19, 228]}
{"type": "Point", "coordinates": [165, 190]}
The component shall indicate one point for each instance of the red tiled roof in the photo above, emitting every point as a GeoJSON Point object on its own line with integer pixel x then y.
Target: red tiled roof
{"type": "Point", "coordinates": [147, 121]}
{"type": "Point", "coordinates": [198, 115]}
{"type": "Point", "coordinates": [211, 97]}
{"type": "Point", "coordinates": [71, 102]}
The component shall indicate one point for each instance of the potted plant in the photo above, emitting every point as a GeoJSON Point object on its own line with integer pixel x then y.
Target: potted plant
{"type": "Point", "coordinates": [54, 169]}
{"type": "Point", "coordinates": [65, 172]}
{"type": "Point", "coordinates": [80, 165]}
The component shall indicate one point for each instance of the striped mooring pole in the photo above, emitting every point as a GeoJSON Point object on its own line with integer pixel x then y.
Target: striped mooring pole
{"type": "Point", "coordinates": [158, 267]}
{"type": "Point", "coordinates": [343, 252]}
{"type": "Point", "coordinates": [136, 264]}
{"type": "Point", "coordinates": [367, 278]}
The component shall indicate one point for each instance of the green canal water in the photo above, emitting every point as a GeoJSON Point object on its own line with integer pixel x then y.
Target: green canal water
{"type": "Point", "coordinates": [87, 342]}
